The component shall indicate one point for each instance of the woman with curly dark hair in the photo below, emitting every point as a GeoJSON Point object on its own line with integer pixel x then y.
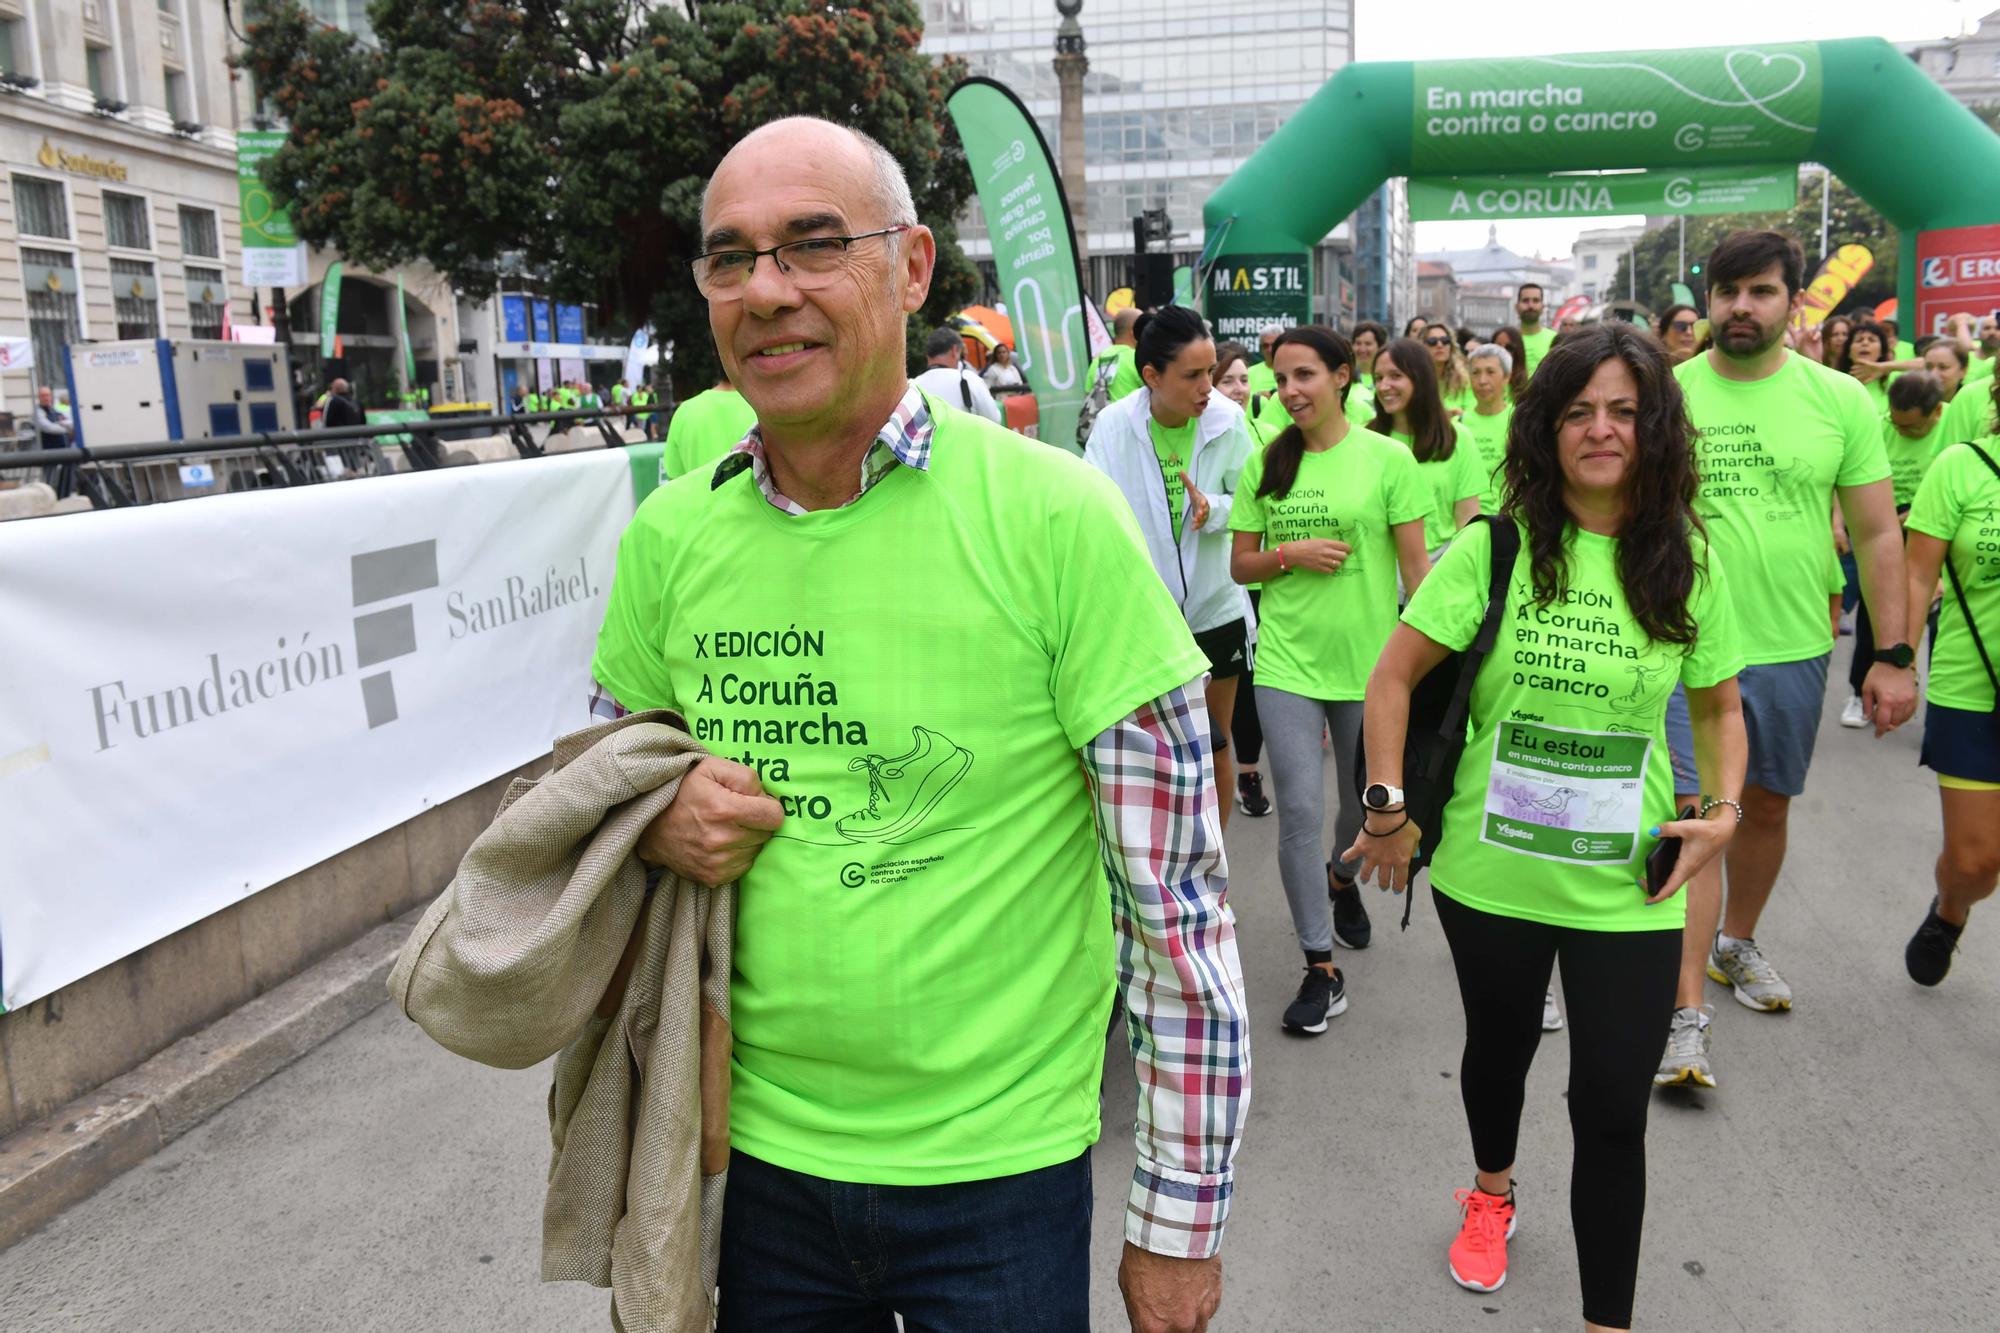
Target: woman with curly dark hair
{"type": "Point", "coordinates": [1564, 788]}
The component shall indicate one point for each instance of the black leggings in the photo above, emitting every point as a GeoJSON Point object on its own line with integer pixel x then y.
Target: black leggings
{"type": "Point", "coordinates": [1618, 992]}
{"type": "Point", "coordinates": [1245, 731]}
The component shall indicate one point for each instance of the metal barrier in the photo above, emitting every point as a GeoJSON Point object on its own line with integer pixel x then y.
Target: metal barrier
{"type": "Point", "coordinates": [116, 475]}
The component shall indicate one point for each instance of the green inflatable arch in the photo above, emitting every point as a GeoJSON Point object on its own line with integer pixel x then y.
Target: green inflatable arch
{"type": "Point", "coordinates": [1857, 106]}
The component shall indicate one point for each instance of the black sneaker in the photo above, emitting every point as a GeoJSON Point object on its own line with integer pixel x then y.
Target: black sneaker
{"type": "Point", "coordinates": [1250, 797]}
{"type": "Point", "coordinates": [1322, 995]}
{"type": "Point", "coordinates": [1350, 918]}
{"type": "Point", "coordinates": [1928, 954]}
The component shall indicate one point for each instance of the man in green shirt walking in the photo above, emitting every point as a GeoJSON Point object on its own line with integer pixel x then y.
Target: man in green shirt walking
{"type": "Point", "coordinates": [1782, 438]}
{"type": "Point", "coordinates": [1535, 340]}
{"type": "Point", "coordinates": [704, 428]}
{"type": "Point", "coordinates": [872, 607]}
{"type": "Point", "coordinates": [1123, 353]}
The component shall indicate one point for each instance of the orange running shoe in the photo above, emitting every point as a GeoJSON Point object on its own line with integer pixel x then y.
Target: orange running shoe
{"type": "Point", "coordinates": [1478, 1258]}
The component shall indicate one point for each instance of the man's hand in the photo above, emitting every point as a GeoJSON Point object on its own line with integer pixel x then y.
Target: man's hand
{"type": "Point", "coordinates": [1889, 696]}
{"type": "Point", "coordinates": [1867, 371]}
{"type": "Point", "coordinates": [1167, 1295]}
{"type": "Point", "coordinates": [718, 822]}
{"type": "Point", "coordinates": [1197, 504]}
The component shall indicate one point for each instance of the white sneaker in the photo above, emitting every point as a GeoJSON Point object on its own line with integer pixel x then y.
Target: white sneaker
{"type": "Point", "coordinates": [1851, 715]}
{"type": "Point", "coordinates": [1552, 1017]}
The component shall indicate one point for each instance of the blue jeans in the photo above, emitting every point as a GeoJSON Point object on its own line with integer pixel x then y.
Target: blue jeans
{"type": "Point", "coordinates": [800, 1253]}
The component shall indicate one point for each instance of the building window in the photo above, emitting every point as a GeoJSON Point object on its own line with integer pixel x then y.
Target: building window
{"type": "Point", "coordinates": [177, 96]}
{"type": "Point", "coordinates": [206, 299]}
{"type": "Point", "coordinates": [1589, 262]}
{"type": "Point", "coordinates": [41, 208]}
{"type": "Point", "coordinates": [53, 316]}
{"type": "Point", "coordinates": [126, 226]}
{"type": "Point", "coordinates": [9, 62]}
{"type": "Point", "coordinates": [199, 236]}
{"type": "Point", "coordinates": [132, 296]}
{"type": "Point", "coordinates": [100, 72]}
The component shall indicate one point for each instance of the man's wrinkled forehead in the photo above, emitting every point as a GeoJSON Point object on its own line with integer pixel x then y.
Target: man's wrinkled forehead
{"type": "Point", "coordinates": [783, 186]}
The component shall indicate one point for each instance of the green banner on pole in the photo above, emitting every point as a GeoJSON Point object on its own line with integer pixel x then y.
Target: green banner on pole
{"type": "Point", "coordinates": [272, 255]}
{"type": "Point", "coordinates": [329, 308]}
{"type": "Point", "coordinates": [1244, 295]}
{"type": "Point", "coordinates": [1725, 189]}
{"type": "Point", "coordinates": [1027, 219]}
{"type": "Point", "coordinates": [403, 332]}
{"type": "Point", "coordinates": [1708, 105]}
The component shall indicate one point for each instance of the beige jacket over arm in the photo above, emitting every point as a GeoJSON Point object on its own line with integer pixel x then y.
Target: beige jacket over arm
{"type": "Point", "coordinates": [516, 961]}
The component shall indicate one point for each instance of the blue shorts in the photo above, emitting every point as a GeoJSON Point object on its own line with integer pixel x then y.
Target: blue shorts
{"type": "Point", "coordinates": [1959, 743]}
{"type": "Point", "coordinates": [1781, 710]}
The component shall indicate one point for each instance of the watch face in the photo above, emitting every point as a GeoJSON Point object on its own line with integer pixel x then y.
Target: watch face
{"type": "Point", "coordinates": [1901, 655]}
{"type": "Point", "coordinates": [1376, 796]}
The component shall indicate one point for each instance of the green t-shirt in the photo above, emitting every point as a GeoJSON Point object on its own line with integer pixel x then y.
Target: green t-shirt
{"type": "Point", "coordinates": [1269, 410]}
{"type": "Point", "coordinates": [1535, 346]}
{"type": "Point", "coordinates": [1980, 369]}
{"type": "Point", "coordinates": [1959, 503]}
{"type": "Point", "coordinates": [703, 429]}
{"type": "Point", "coordinates": [924, 952]}
{"type": "Point", "coordinates": [1126, 378]}
{"type": "Point", "coordinates": [1771, 453]}
{"type": "Point", "coordinates": [1970, 414]}
{"type": "Point", "coordinates": [1318, 635]}
{"type": "Point", "coordinates": [1567, 766]}
{"type": "Point", "coordinates": [1361, 401]}
{"type": "Point", "coordinates": [1263, 379]}
{"type": "Point", "coordinates": [1446, 482]}
{"type": "Point", "coordinates": [1465, 400]}
{"type": "Point", "coordinates": [1263, 430]}
{"type": "Point", "coordinates": [1905, 350]}
{"type": "Point", "coordinates": [1173, 446]}
{"type": "Point", "coordinates": [1878, 392]}
{"type": "Point", "coordinates": [1489, 437]}
{"type": "Point", "coordinates": [1909, 459]}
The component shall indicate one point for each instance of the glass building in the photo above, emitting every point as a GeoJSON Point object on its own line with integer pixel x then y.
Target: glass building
{"type": "Point", "coordinates": [1179, 94]}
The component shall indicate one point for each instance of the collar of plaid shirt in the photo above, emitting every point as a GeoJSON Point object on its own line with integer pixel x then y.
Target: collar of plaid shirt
{"type": "Point", "coordinates": [905, 438]}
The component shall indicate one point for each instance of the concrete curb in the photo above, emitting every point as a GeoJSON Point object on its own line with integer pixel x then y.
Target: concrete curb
{"type": "Point", "coordinates": [54, 1164]}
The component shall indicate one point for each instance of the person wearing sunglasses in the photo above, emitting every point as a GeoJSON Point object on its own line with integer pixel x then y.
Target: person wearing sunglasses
{"type": "Point", "coordinates": [1677, 323]}
{"type": "Point", "coordinates": [1454, 381]}
{"type": "Point", "coordinates": [872, 603]}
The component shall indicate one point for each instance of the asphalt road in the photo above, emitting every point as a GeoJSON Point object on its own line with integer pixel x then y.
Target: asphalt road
{"type": "Point", "coordinates": [1842, 1176]}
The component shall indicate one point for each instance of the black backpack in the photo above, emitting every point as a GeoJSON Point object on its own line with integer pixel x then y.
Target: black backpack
{"type": "Point", "coordinates": [1439, 707]}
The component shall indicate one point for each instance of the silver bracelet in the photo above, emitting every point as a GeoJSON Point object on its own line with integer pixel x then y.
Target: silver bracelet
{"type": "Point", "coordinates": [1711, 802]}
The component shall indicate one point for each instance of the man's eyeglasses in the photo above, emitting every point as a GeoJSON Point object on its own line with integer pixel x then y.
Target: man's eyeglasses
{"type": "Point", "coordinates": [1439, 341]}
{"type": "Point", "coordinates": [722, 275]}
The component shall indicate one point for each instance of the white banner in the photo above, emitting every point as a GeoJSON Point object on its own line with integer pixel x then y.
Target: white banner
{"type": "Point", "coordinates": [198, 700]}
{"type": "Point", "coordinates": [274, 266]}
{"type": "Point", "coordinates": [16, 354]}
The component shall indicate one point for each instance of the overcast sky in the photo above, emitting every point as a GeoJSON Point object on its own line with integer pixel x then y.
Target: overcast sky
{"type": "Point", "coordinates": [1456, 29]}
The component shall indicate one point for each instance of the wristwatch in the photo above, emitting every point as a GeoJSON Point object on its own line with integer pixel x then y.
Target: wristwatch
{"type": "Point", "coordinates": [1898, 655]}
{"type": "Point", "coordinates": [1376, 796]}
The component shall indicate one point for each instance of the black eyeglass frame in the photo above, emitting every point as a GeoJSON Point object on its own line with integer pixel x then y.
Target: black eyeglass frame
{"type": "Point", "coordinates": [776, 253]}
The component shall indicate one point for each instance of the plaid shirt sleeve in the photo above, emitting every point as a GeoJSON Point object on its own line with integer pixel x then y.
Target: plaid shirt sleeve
{"type": "Point", "coordinates": [1160, 834]}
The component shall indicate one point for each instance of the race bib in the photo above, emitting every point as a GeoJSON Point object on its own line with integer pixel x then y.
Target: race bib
{"type": "Point", "coordinates": [1566, 795]}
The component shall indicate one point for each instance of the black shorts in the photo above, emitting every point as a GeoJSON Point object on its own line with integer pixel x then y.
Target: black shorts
{"type": "Point", "coordinates": [1228, 649]}
{"type": "Point", "coordinates": [1958, 743]}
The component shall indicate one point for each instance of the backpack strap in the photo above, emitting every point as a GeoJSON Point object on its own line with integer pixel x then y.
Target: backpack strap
{"type": "Point", "coordinates": [1958, 589]}
{"type": "Point", "coordinates": [1506, 542]}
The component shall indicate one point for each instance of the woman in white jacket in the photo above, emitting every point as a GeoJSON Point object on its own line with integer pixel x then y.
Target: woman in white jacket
{"type": "Point", "coordinates": [1175, 448]}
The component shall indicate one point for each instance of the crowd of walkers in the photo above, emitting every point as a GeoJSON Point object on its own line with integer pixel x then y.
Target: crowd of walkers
{"type": "Point", "coordinates": [1561, 605]}
{"type": "Point", "coordinates": [1685, 515]}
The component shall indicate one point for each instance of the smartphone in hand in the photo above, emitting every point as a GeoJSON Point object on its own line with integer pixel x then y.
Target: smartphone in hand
{"type": "Point", "coordinates": [1660, 861]}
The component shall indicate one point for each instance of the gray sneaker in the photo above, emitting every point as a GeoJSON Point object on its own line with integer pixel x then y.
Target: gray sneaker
{"type": "Point", "coordinates": [1686, 1060]}
{"type": "Point", "coordinates": [1743, 967]}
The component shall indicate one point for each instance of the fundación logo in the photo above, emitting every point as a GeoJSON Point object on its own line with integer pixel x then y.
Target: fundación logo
{"type": "Point", "coordinates": [383, 584]}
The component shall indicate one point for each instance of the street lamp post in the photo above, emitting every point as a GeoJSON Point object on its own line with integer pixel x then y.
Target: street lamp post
{"type": "Point", "coordinates": [1071, 65]}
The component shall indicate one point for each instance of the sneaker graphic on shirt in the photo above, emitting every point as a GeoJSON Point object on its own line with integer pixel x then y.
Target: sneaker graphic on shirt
{"type": "Point", "coordinates": [1647, 688]}
{"type": "Point", "coordinates": [903, 791]}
